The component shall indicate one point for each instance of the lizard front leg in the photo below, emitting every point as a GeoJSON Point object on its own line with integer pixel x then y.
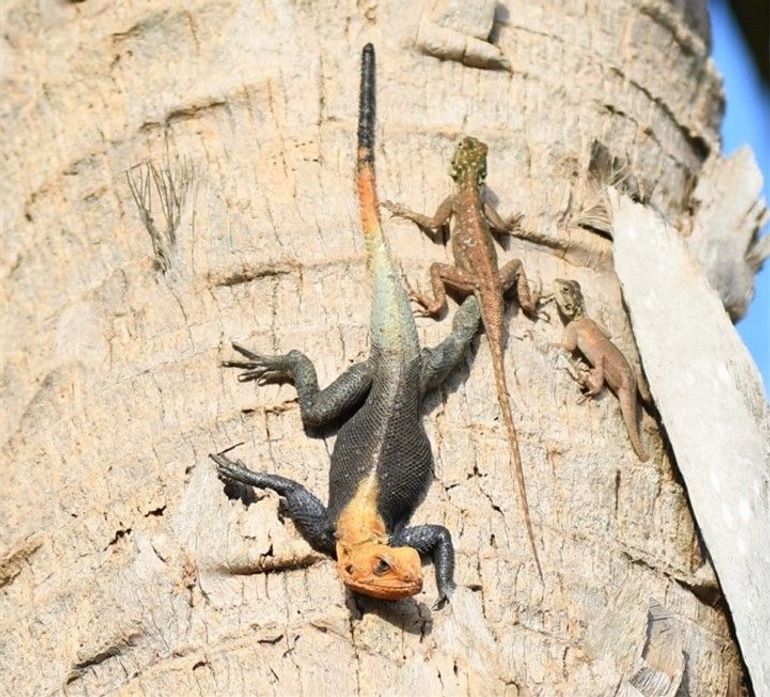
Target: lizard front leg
{"type": "Point", "coordinates": [432, 541]}
{"type": "Point", "coordinates": [441, 276]}
{"type": "Point", "coordinates": [575, 368]}
{"type": "Point", "coordinates": [439, 361]}
{"type": "Point", "coordinates": [512, 274]}
{"type": "Point", "coordinates": [496, 221]}
{"type": "Point", "coordinates": [594, 380]}
{"type": "Point", "coordinates": [307, 512]}
{"type": "Point", "coordinates": [318, 407]}
{"type": "Point", "coordinates": [426, 223]}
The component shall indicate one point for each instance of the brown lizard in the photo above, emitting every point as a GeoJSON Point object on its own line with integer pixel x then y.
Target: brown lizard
{"type": "Point", "coordinates": [476, 271]}
{"type": "Point", "coordinates": [609, 365]}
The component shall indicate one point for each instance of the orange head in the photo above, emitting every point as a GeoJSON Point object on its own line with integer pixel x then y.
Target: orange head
{"type": "Point", "coordinates": [379, 570]}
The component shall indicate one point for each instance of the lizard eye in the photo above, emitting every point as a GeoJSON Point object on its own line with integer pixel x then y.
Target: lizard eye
{"type": "Point", "coordinates": [382, 568]}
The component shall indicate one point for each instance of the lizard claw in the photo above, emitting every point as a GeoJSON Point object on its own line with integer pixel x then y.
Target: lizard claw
{"type": "Point", "coordinates": [444, 596]}
{"type": "Point", "coordinates": [245, 352]}
{"type": "Point", "coordinates": [424, 309]}
{"type": "Point", "coordinates": [442, 602]}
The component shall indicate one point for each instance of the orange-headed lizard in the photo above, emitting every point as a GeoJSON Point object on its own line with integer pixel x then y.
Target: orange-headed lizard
{"type": "Point", "coordinates": [609, 365]}
{"type": "Point", "coordinates": [382, 465]}
{"type": "Point", "coordinates": [476, 271]}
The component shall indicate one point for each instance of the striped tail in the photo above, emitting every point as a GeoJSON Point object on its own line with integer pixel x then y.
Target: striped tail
{"type": "Point", "coordinates": [392, 323]}
{"type": "Point", "coordinates": [365, 179]}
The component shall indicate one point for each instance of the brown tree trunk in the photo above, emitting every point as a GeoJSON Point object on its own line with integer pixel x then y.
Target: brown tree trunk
{"type": "Point", "coordinates": [124, 568]}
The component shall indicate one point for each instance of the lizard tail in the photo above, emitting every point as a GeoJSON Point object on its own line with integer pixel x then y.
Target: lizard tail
{"type": "Point", "coordinates": [392, 324]}
{"type": "Point", "coordinates": [629, 410]}
{"type": "Point", "coordinates": [495, 339]}
{"type": "Point", "coordinates": [644, 390]}
{"type": "Point", "coordinates": [365, 179]}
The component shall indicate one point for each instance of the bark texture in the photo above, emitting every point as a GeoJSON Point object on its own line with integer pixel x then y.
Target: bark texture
{"type": "Point", "coordinates": [124, 568]}
{"type": "Point", "coordinates": [724, 468]}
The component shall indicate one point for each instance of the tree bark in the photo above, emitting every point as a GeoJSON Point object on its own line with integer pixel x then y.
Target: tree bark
{"type": "Point", "coordinates": [124, 568]}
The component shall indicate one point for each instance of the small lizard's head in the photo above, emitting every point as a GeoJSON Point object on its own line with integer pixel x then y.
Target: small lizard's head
{"type": "Point", "coordinates": [569, 298]}
{"type": "Point", "coordinates": [379, 570]}
{"type": "Point", "coordinates": [469, 164]}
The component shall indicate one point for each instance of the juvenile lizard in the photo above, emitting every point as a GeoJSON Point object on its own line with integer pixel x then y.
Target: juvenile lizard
{"type": "Point", "coordinates": [476, 272]}
{"type": "Point", "coordinates": [609, 364]}
{"type": "Point", "coordinates": [382, 464]}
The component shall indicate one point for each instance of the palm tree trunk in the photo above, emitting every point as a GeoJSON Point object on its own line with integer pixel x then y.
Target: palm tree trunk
{"type": "Point", "coordinates": [124, 567]}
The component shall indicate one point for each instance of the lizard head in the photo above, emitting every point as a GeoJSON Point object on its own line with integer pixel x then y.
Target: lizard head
{"type": "Point", "coordinates": [569, 298]}
{"type": "Point", "coordinates": [469, 164]}
{"type": "Point", "coordinates": [379, 570]}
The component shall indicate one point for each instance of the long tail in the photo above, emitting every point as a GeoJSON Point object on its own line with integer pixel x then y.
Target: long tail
{"type": "Point", "coordinates": [630, 412]}
{"type": "Point", "coordinates": [392, 323]}
{"type": "Point", "coordinates": [365, 179]}
{"type": "Point", "coordinates": [495, 340]}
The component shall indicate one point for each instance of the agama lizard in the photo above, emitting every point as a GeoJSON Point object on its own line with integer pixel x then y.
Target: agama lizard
{"type": "Point", "coordinates": [382, 464]}
{"type": "Point", "coordinates": [609, 364]}
{"type": "Point", "coordinates": [476, 272]}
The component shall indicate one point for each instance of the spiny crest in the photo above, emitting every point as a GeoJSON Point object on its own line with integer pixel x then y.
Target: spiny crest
{"type": "Point", "coordinates": [469, 164]}
{"type": "Point", "coordinates": [569, 298]}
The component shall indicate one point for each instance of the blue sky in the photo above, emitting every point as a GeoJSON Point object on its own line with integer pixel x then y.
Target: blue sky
{"type": "Point", "coordinates": [747, 120]}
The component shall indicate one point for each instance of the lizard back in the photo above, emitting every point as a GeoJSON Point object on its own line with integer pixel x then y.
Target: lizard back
{"type": "Point", "coordinates": [384, 441]}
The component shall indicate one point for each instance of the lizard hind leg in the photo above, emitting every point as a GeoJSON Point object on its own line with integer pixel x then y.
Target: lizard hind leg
{"type": "Point", "coordinates": [513, 274]}
{"type": "Point", "coordinates": [441, 276]}
{"type": "Point", "coordinates": [594, 379]}
{"type": "Point", "coordinates": [439, 361]}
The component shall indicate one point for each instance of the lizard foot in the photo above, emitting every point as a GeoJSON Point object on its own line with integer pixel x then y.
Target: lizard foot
{"type": "Point", "coordinates": [590, 391]}
{"type": "Point", "coordinates": [444, 597]}
{"type": "Point", "coordinates": [229, 469]}
{"type": "Point", "coordinates": [263, 369]}
{"type": "Point", "coordinates": [534, 308]}
{"type": "Point", "coordinates": [395, 209]}
{"type": "Point", "coordinates": [425, 307]}
{"type": "Point", "coordinates": [232, 474]}
{"type": "Point", "coordinates": [512, 222]}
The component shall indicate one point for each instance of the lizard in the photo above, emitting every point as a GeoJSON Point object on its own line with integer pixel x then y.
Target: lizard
{"type": "Point", "coordinates": [381, 465]}
{"type": "Point", "coordinates": [608, 363]}
{"type": "Point", "coordinates": [476, 271]}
